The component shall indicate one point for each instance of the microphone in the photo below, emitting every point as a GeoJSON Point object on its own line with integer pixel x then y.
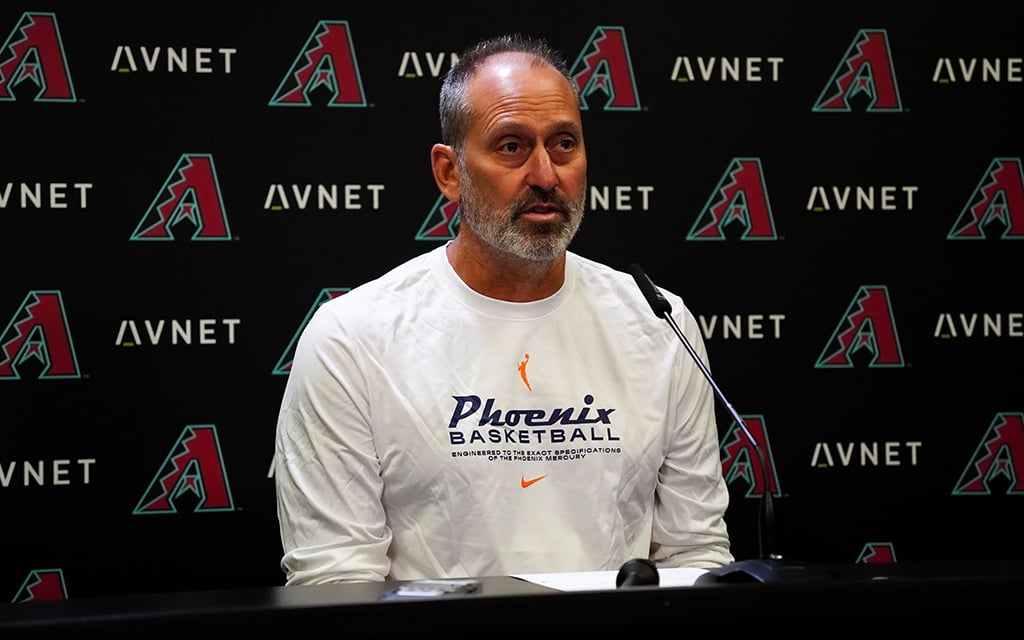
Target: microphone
{"type": "Point", "coordinates": [769, 567]}
{"type": "Point", "coordinates": [637, 572]}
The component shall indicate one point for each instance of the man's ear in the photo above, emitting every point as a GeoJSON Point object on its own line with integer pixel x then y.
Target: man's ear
{"type": "Point", "coordinates": [446, 171]}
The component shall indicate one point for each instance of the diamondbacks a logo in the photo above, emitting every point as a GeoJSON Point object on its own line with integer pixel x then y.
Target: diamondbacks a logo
{"type": "Point", "coordinates": [328, 62]}
{"type": "Point", "coordinates": [604, 66]}
{"type": "Point", "coordinates": [740, 459]}
{"type": "Point", "coordinates": [191, 193]}
{"type": "Point", "coordinates": [442, 222]}
{"type": "Point", "coordinates": [33, 52]}
{"type": "Point", "coordinates": [876, 553]}
{"type": "Point", "coordinates": [741, 199]}
{"type": "Point", "coordinates": [865, 72]}
{"type": "Point", "coordinates": [998, 201]}
{"type": "Point", "coordinates": [39, 331]}
{"type": "Point", "coordinates": [42, 584]}
{"type": "Point", "coordinates": [284, 363]}
{"type": "Point", "coordinates": [193, 466]}
{"type": "Point", "coordinates": [998, 456]}
{"type": "Point", "coordinates": [867, 326]}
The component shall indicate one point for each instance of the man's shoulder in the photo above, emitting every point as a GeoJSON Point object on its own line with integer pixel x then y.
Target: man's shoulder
{"type": "Point", "coordinates": [611, 280]}
{"type": "Point", "coordinates": [588, 266]}
{"type": "Point", "coordinates": [589, 270]}
{"type": "Point", "coordinates": [400, 282]}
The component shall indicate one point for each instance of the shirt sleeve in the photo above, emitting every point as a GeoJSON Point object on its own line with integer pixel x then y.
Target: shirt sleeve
{"type": "Point", "coordinates": [691, 496]}
{"type": "Point", "coordinates": [327, 473]}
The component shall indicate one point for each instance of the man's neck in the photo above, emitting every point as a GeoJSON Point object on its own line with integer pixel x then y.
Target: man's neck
{"type": "Point", "coordinates": [501, 276]}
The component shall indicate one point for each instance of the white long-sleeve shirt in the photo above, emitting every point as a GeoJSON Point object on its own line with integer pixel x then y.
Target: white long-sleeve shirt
{"type": "Point", "coordinates": [427, 431]}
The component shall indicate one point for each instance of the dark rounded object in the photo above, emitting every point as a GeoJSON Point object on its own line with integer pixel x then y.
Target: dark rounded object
{"type": "Point", "coordinates": [637, 572]}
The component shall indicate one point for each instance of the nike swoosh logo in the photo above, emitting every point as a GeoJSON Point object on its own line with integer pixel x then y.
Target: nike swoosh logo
{"type": "Point", "coordinates": [523, 481]}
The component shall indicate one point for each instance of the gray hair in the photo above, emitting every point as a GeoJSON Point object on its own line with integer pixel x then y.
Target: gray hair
{"type": "Point", "coordinates": [455, 109]}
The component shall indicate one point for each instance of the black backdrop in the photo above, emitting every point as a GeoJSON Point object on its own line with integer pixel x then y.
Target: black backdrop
{"type": "Point", "coordinates": [818, 224]}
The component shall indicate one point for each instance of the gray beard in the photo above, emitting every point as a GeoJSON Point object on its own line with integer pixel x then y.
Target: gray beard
{"type": "Point", "coordinates": [502, 228]}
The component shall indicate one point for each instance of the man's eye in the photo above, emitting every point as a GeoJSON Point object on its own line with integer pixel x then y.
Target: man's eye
{"type": "Point", "coordinates": [511, 147]}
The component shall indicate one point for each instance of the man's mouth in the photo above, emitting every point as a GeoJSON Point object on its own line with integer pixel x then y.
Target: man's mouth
{"type": "Point", "coordinates": [542, 210]}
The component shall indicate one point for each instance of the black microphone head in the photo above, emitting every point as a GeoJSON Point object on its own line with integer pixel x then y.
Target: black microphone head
{"type": "Point", "coordinates": [637, 572]}
{"type": "Point", "coordinates": [658, 303]}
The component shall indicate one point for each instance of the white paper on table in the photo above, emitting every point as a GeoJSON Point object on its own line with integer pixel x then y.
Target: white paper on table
{"type": "Point", "coordinates": [605, 580]}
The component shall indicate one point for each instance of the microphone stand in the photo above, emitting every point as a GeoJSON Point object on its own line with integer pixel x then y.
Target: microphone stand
{"type": "Point", "coordinates": [770, 566]}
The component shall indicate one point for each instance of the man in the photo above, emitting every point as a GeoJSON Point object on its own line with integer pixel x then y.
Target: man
{"type": "Point", "coordinates": [498, 405]}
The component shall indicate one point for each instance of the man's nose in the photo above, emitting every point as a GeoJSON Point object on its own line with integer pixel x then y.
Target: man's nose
{"type": "Point", "coordinates": [542, 174]}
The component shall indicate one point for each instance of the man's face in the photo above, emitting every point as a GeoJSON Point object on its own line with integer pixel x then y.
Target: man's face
{"type": "Point", "coordinates": [522, 175]}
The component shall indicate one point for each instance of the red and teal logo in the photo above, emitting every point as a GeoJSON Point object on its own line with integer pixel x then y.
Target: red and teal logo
{"type": "Point", "coordinates": [442, 222]}
{"type": "Point", "coordinates": [997, 459]}
{"type": "Point", "coordinates": [194, 469]}
{"type": "Point", "coordinates": [877, 553]}
{"type": "Point", "coordinates": [326, 64]}
{"type": "Point", "coordinates": [38, 335]}
{"type": "Point", "coordinates": [864, 74]}
{"type": "Point", "coordinates": [997, 205]}
{"type": "Point", "coordinates": [33, 54]}
{"type": "Point", "coordinates": [284, 363]}
{"type": "Point", "coordinates": [190, 198]}
{"type": "Point", "coordinates": [741, 461]}
{"type": "Point", "coordinates": [604, 67]}
{"type": "Point", "coordinates": [739, 201]}
{"type": "Point", "coordinates": [867, 330]}
{"type": "Point", "coordinates": [42, 584]}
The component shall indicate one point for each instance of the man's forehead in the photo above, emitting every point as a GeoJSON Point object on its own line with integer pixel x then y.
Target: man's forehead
{"type": "Point", "coordinates": [516, 73]}
{"type": "Point", "coordinates": [510, 63]}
